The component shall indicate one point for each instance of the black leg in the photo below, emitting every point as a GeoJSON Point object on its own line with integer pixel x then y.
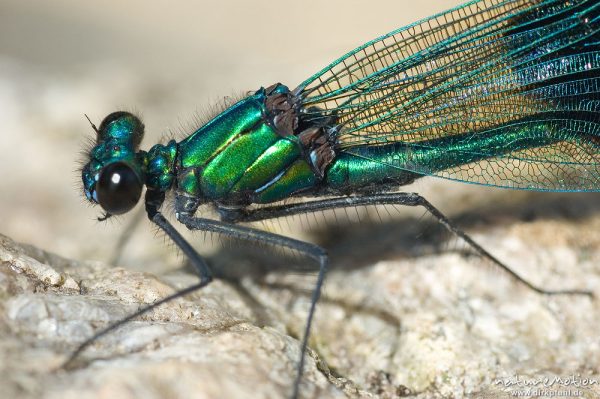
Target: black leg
{"type": "Point", "coordinates": [153, 202]}
{"type": "Point", "coordinates": [250, 234]}
{"type": "Point", "coordinates": [407, 199]}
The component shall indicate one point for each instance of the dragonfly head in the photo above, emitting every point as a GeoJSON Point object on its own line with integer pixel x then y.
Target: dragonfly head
{"type": "Point", "coordinates": [114, 175]}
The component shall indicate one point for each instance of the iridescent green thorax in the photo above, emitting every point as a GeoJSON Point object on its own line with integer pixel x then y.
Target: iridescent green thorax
{"type": "Point", "coordinates": [251, 153]}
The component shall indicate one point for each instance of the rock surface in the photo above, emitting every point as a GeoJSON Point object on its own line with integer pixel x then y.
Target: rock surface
{"type": "Point", "coordinates": [428, 325]}
{"type": "Point", "coordinates": [206, 344]}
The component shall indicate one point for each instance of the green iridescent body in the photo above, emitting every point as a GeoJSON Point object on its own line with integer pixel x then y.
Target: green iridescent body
{"type": "Point", "coordinates": [239, 158]}
{"type": "Point", "coordinates": [495, 92]}
{"type": "Point", "coordinates": [234, 157]}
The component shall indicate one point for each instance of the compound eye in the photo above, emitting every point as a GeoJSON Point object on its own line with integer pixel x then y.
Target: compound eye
{"type": "Point", "coordinates": [118, 188]}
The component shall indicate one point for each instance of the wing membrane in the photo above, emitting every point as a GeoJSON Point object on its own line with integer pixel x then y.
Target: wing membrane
{"type": "Point", "coordinates": [487, 67]}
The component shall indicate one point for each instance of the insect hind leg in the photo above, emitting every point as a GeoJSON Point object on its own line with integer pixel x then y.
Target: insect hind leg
{"type": "Point", "coordinates": [185, 207]}
{"type": "Point", "coordinates": [405, 199]}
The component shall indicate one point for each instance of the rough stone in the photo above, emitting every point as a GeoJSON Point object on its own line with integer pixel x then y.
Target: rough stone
{"type": "Point", "coordinates": [432, 325]}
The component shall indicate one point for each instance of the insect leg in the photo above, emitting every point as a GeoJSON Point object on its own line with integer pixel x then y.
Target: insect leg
{"type": "Point", "coordinates": [153, 202]}
{"type": "Point", "coordinates": [251, 234]}
{"type": "Point", "coordinates": [406, 199]}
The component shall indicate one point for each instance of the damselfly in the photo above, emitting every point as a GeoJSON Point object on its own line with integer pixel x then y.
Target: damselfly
{"type": "Point", "coordinates": [499, 93]}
